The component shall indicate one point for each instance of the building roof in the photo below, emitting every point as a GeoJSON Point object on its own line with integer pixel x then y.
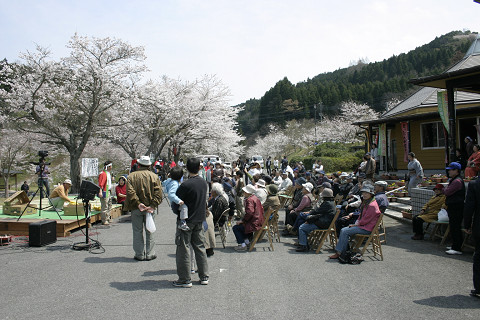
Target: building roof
{"type": "Point", "coordinates": [427, 96]}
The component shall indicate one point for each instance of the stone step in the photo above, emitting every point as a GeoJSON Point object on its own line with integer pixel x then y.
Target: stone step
{"type": "Point", "coordinates": [397, 206]}
{"type": "Point", "coordinates": [404, 200]}
{"type": "Point", "coordinates": [396, 215]}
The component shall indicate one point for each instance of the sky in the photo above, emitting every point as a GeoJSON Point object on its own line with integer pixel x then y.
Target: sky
{"type": "Point", "coordinates": [249, 44]}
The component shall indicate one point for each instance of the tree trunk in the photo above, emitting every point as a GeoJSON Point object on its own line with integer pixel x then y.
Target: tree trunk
{"type": "Point", "coordinates": [5, 180]}
{"type": "Point", "coordinates": [75, 172]}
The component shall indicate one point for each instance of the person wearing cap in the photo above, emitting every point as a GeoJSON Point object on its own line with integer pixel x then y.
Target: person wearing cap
{"type": "Point", "coordinates": [60, 194]}
{"type": "Point", "coordinates": [251, 222]}
{"type": "Point", "coordinates": [380, 196]}
{"type": "Point", "coordinates": [355, 191]}
{"type": "Point", "coordinates": [321, 178]}
{"type": "Point", "coordinates": [105, 184]}
{"type": "Point", "coordinates": [320, 218]}
{"type": "Point", "coordinates": [261, 192]}
{"type": "Point", "coordinates": [471, 216]}
{"type": "Point", "coordinates": [364, 224]}
{"type": "Point", "coordinates": [272, 200]}
{"type": "Point", "coordinates": [286, 182]}
{"type": "Point", "coordinates": [347, 186]}
{"type": "Point", "coordinates": [305, 205]}
{"type": "Point", "coordinates": [144, 195]}
{"type": "Point", "coordinates": [239, 184]}
{"type": "Point", "coordinates": [468, 146]}
{"type": "Point", "coordinates": [454, 200]}
{"type": "Point", "coordinates": [415, 171]}
{"type": "Point", "coordinates": [429, 212]}
{"type": "Point", "coordinates": [370, 166]}
{"type": "Point", "coordinates": [473, 163]}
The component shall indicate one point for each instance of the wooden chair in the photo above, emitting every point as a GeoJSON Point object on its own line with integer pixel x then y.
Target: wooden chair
{"type": "Point", "coordinates": [382, 231]}
{"type": "Point", "coordinates": [437, 230]}
{"type": "Point", "coordinates": [466, 241]}
{"type": "Point", "coordinates": [317, 237]}
{"type": "Point", "coordinates": [273, 226]}
{"type": "Point", "coordinates": [223, 230]}
{"type": "Point", "coordinates": [264, 229]}
{"type": "Point", "coordinates": [373, 238]}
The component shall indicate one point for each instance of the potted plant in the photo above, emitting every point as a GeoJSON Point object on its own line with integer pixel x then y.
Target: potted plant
{"type": "Point", "coordinates": [407, 214]}
{"type": "Point", "coordinates": [401, 183]}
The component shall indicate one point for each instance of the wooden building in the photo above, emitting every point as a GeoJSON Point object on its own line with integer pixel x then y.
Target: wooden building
{"type": "Point", "coordinates": [415, 124]}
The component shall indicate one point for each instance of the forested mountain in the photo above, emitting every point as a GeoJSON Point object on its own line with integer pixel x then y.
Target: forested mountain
{"type": "Point", "coordinates": [371, 83]}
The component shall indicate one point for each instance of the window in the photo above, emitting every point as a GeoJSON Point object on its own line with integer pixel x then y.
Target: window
{"type": "Point", "coordinates": [432, 135]}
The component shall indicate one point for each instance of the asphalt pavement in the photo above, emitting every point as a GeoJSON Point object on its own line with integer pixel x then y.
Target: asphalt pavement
{"type": "Point", "coordinates": [415, 280]}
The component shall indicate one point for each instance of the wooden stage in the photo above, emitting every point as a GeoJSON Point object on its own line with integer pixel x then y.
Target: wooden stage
{"type": "Point", "coordinates": [10, 226]}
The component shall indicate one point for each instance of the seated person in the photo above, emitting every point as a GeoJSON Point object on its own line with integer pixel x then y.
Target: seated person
{"type": "Point", "coordinates": [382, 200]}
{"type": "Point", "coordinates": [218, 203]}
{"type": "Point", "coordinates": [251, 222]}
{"type": "Point", "coordinates": [365, 223]}
{"type": "Point", "coordinates": [272, 200]}
{"type": "Point", "coordinates": [261, 192]}
{"type": "Point", "coordinates": [297, 196]}
{"type": "Point", "coordinates": [121, 190]}
{"type": "Point", "coordinates": [277, 179]}
{"type": "Point", "coordinates": [304, 206]}
{"type": "Point", "coordinates": [60, 195]}
{"type": "Point", "coordinates": [429, 212]}
{"type": "Point", "coordinates": [349, 212]}
{"type": "Point", "coordinates": [347, 186]}
{"type": "Point", "coordinates": [320, 218]}
{"type": "Point", "coordinates": [286, 182]}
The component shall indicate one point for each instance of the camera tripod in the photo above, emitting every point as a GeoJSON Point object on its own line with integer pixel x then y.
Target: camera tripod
{"type": "Point", "coordinates": [42, 192]}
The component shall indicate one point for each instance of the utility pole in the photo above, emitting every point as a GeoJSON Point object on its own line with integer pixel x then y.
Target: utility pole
{"type": "Point", "coordinates": [315, 109]}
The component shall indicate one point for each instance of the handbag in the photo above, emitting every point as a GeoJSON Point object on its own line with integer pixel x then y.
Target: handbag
{"type": "Point", "coordinates": [442, 215]}
{"type": "Point", "coordinates": [149, 223]}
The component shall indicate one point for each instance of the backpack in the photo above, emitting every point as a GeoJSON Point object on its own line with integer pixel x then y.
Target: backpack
{"type": "Point", "coordinates": [350, 257]}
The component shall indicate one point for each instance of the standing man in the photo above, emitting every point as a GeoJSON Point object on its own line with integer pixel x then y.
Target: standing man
{"type": "Point", "coordinates": [268, 164]}
{"type": "Point", "coordinates": [370, 166]}
{"type": "Point", "coordinates": [105, 184]}
{"type": "Point", "coordinates": [284, 163]}
{"type": "Point", "coordinates": [454, 199]}
{"type": "Point", "coordinates": [193, 193]}
{"type": "Point", "coordinates": [376, 157]}
{"type": "Point", "coordinates": [144, 195]}
{"type": "Point", "coordinates": [471, 216]}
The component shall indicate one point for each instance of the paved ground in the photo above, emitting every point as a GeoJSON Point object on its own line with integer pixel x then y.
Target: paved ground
{"type": "Point", "coordinates": [416, 280]}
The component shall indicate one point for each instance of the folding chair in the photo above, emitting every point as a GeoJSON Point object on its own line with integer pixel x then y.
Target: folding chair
{"type": "Point", "coordinates": [466, 241]}
{"type": "Point", "coordinates": [265, 228]}
{"type": "Point", "coordinates": [223, 230]}
{"type": "Point", "coordinates": [373, 238]}
{"type": "Point", "coordinates": [382, 231]}
{"type": "Point", "coordinates": [273, 225]}
{"type": "Point", "coordinates": [317, 237]}
{"type": "Point", "coordinates": [437, 230]}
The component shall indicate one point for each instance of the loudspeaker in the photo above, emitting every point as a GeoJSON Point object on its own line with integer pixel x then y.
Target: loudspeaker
{"type": "Point", "coordinates": [88, 190]}
{"type": "Point", "coordinates": [42, 233]}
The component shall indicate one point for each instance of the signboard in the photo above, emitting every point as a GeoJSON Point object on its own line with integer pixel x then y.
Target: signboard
{"type": "Point", "coordinates": [442, 101]}
{"type": "Point", "coordinates": [406, 142]}
{"type": "Point", "coordinates": [382, 139]}
{"type": "Point", "coordinates": [89, 167]}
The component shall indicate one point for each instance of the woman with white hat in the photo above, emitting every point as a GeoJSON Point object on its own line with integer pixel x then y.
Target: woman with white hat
{"type": "Point", "coordinates": [261, 192]}
{"type": "Point", "coordinates": [251, 222]}
{"type": "Point", "coordinates": [364, 224]}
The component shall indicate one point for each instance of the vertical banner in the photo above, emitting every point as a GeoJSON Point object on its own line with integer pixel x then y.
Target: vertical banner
{"type": "Point", "coordinates": [445, 134]}
{"type": "Point", "coordinates": [382, 139]}
{"type": "Point", "coordinates": [477, 126]}
{"type": "Point", "coordinates": [406, 142]}
{"type": "Point", "coordinates": [443, 108]}
{"type": "Point", "coordinates": [89, 167]}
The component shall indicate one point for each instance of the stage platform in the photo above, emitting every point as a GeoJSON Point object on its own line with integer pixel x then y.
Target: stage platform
{"type": "Point", "coordinates": [10, 226]}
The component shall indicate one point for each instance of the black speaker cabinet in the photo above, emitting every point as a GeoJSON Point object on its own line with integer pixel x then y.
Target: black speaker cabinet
{"type": "Point", "coordinates": [42, 233]}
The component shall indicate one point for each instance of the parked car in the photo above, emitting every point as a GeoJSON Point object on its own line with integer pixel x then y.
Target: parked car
{"type": "Point", "coordinates": [258, 159]}
{"type": "Point", "coordinates": [213, 158]}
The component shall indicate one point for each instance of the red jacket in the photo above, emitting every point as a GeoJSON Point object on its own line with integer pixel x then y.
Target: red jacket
{"type": "Point", "coordinates": [253, 218]}
{"type": "Point", "coordinates": [369, 216]}
{"type": "Point", "coordinates": [102, 180]}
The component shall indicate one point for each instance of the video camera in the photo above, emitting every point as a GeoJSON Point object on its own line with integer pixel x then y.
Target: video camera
{"type": "Point", "coordinates": [41, 161]}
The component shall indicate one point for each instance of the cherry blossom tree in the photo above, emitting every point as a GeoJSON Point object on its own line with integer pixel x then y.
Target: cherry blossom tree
{"type": "Point", "coordinates": [68, 101]}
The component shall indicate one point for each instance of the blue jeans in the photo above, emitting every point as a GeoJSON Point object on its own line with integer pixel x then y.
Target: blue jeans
{"type": "Point", "coordinates": [303, 232]}
{"type": "Point", "coordinates": [345, 235]}
{"type": "Point", "coordinates": [239, 231]}
{"type": "Point", "coordinates": [302, 217]}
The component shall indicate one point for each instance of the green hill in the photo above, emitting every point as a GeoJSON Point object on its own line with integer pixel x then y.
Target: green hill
{"type": "Point", "coordinates": [371, 83]}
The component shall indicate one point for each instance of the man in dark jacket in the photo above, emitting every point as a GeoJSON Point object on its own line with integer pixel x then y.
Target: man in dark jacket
{"type": "Point", "coordinates": [454, 199]}
{"type": "Point", "coordinates": [471, 216]}
{"type": "Point", "coordinates": [321, 218]}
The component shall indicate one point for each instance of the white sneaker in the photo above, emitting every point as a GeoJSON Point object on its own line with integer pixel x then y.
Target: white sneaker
{"type": "Point", "coordinates": [240, 248]}
{"type": "Point", "coordinates": [451, 251]}
{"type": "Point", "coordinates": [449, 248]}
